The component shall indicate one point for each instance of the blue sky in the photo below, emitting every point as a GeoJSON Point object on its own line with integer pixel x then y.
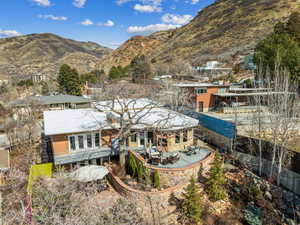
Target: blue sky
{"type": "Point", "coordinates": [107, 22]}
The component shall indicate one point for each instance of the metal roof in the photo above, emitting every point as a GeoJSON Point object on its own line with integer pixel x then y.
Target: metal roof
{"type": "Point", "coordinates": [200, 85]}
{"type": "Point", "coordinates": [87, 120]}
{"type": "Point", "coordinates": [51, 99]}
{"type": "Point", "coordinates": [229, 94]}
{"type": "Point", "coordinates": [73, 121]}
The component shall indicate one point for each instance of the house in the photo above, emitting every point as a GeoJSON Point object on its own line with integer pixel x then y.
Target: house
{"type": "Point", "coordinates": [90, 136]}
{"type": "Point", "coordinates": [91, 89]}
{"type": "Point", "coordinates": [202, 94]}
{"type": "Point", "coordinates": [4, 165]}
{"type": "Point", "coordinates": [52, 102]}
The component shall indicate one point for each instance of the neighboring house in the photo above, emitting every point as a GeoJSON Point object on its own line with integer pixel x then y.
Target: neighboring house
{"type": "Point", "coordinates": [53, 102]}
{"type": "Point", "coordinates": [202, 94]}
{"type": "Point", "coordinates": [91, 89]}
{"type": "Point", "coordinates": [4, 165]}
{"type": "Point", "coordinates": [88, 136]}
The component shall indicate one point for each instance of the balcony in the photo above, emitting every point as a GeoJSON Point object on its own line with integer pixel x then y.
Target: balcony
{"type": "Point", "coordinates": [83, 155]}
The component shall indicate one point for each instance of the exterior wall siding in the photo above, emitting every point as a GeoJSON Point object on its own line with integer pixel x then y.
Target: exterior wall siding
{"type": "Point", "coordinates": [207, 99]}
{"type": "Point", "coordinates": [173, 146]}
{"type": "Point", "coordinates": [60, 144]}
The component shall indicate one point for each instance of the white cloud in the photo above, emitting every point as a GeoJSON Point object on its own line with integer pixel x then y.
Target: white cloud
{"type": "Point", "coordinates": [42, 2]}
{"type": "Point", "coordinates": [87, 22]}
{"type": "Point", "coordinates": [147, 8]}
{"type": "Point", "coordinates": [193, 2]}
{"type": "Point", "coordinates": [9, 33]}
{"type": "Point", "coordinates": [148, 2]}
{"type": "Point", "coordinates": [176, 19]}
{"type": "Point", "coordinates": [151, 28]}
{"type": "Point", "coordinates": [79, 3]}
{"type": "Point", "coordinates": [109, 23]}
{"type": "Point", "coordinates": [52, 17]}
{"type": "Point", "coordinates": [120, 2]}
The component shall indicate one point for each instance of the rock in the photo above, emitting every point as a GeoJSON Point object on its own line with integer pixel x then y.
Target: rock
{"type": "Point", "coordinates": [268, 195]}
{"type": "Point", "coordinates": [290, 222]}
{"type": "Point", "coordinates": [236, 189]}
{"type": "Point", "coordinates": [267, 186]}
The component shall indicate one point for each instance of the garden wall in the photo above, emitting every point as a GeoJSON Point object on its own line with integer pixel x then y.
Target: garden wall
{"type": "Point", "coordinates": [171, 179]}
{"type": "Point", "coordinates": [289, 179]}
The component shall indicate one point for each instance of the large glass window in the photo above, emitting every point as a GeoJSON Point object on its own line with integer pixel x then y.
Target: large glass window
{"type": "Point", "coordinates": [72, 142]}
{"type": "Point", "coordinates": [89, 140]}
{"type": "Point", "coordinates": [177, 138]}
{"type": "Point", "coordinates": [133, 137]}
{"type": "Point", "coordinates": [80, 142]}
{"type": "Point", "coordinates": [97, 140]}
{"type": "Point", "coordinates": [200, 91]}
{"type": "Point", "coordinates": [185, 136]}
{"type": "Point", "coordinates": [84, 141]}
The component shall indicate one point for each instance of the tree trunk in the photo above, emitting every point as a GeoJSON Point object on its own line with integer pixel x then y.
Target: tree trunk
{"type": "Point", "coordinates": [260, 142]}
{"type": "Point", "coordinates": [273, 158]}
{"type": "Point", "coordinates": [279, 165]}
{"type": "Point", "coordinates": [122, 156]}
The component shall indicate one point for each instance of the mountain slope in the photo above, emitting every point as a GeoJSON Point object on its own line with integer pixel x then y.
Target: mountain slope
{"type": "Point", "coordinates": [44, 53]}
{"type": "Point", "coordinates": [217, 32]}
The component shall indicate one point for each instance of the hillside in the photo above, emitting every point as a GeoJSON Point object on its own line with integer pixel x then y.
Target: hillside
{"type": "Point", "coordinates": [44, 53]}
{"type": "Point", "coordinates": [217, 32]}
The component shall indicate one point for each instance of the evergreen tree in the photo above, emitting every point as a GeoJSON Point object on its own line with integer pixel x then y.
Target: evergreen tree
{"type": "Point", "coordinates": [140, 172]}
{"type": "Point", "coordinates": [140, 69]}
{"type": "Point", "coordinates": [132, 166]}
{"type": "Point", "coordinates": [281, 49]}
{"type": "Point", "coordinates": [192, 205]}
{"type": "Point", "coordinates": [69, 81]}
{"type": "Point", "coordinates": [90, 77]}
{"type": "Point", "coordinates": [118, 72]}
{"type": "Point", "coordinates": [293, 26]}
{"type": "Point", "coordinates": [215, 185]}
{"type": "Point", "coordinates": [156, 179]}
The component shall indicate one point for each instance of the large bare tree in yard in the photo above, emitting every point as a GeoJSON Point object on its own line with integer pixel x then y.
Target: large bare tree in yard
{"type": "Point", "coordinates": [175, 98]}
{"type": "Point", "coordinates": [128, 106]}
{"type": "Point", "coordinates": [278, 121]}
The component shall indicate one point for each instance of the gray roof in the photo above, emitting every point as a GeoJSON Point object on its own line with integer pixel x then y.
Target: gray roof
{"type": "Point", "coordinates": [187, 85]}
{"type": "Point", "coordinates": [51, 99]}
{"type": "Point", "coordinates": [230, 94]}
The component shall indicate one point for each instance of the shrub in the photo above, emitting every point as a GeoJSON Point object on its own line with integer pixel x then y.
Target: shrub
{"type": "Point", "coordinates": [192, 205]}
{"type": "Point", "coordinates": [156, 179]}
{"type": "Point", "coordinates": [132, 166]}
{"type": "Point", "coordinates": [215, 184]}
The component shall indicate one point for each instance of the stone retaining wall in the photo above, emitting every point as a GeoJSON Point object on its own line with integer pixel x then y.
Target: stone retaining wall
{"type": "Point", "coordinates": [170, 177]}
{"type": "Point", "coordinates": [173, 178]}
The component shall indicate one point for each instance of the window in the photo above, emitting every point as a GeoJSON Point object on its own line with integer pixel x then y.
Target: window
{"type": "Point", "coordinates": [222, 90]}
{"type": "Point", "coordinates": [133, 137]}
{"type": "Point", "coordinates": [84, 141]}
{"type": "Point", "coordinates": [177, 138]}
{"type": "Point", "coordinates": [200, 90]}
{"type": "Point", "coordinates": [72, 143]}
{"type": "Point", "coordinates": [185, 136]}
{"type": "Point", "coordinates": [80, 142]}
{"type": "Point", "coordinates": [97, 140]}
{"type": "Point", "coordinates": [89, 140]}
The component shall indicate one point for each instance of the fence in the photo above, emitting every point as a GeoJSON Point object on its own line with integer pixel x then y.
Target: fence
{"type": "Point", "coordinates": [289, 179]}
{"type": "Point", "coordinates": [222, 127]}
